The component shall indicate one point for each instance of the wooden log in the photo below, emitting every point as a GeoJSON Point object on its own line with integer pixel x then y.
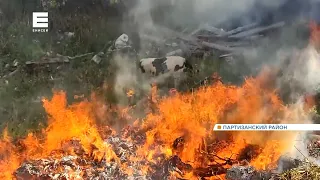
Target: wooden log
{"type": "Point", "coordinates": [225, 55]}
{"type": "Point", "coordinates": [240, 29]}
{"type": "Point", "coordinates": [49, 61]}
{"type": "Point", "coordinates": [196, 31]}
{"type": "Point", "coordinates": [214, 30]}
{"type": "Point", "coordinates": [220, 47]}
{"type": "Point", "coordinates": [257, 30]}
{"type": "Point", "coordinates": [234, 44]}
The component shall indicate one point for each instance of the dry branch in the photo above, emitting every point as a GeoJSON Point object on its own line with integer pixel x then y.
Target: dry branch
{"type": "Point", "coordinates": [214, 30]}
{"type": "Point", "coordinates": [53, 60]}
{"type": "Point", "coordinates": [239, 29]}
{"type": "Point", "coordinates": [220, 47]}
{"type": "Point", "coordinates": [257, 30]}
{"type": "Point", "coordinates": [79, 56]}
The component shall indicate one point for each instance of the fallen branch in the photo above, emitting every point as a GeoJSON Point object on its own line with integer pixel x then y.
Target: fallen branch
{"type": "Point", "coordinates": [234, 44]}
{"type": "Point", "coordinates": [225, 55]}
{"type": "Point", "coordinates": [54, 60]}
{"type": "Point", "coordinates": [257, 30]}
{"type": "Point", "coordinates": [239, 29]}
{"type": "Point", "coordinates": [214, 30]}
{"type": "Point", "coordinates": [220, 47]}
{"type": "Point", "coordinates": [58, 59]}
{"type": "Point", "coordinates": [79, 56]}
{"type": "Point", "coordinates": [196, 31]}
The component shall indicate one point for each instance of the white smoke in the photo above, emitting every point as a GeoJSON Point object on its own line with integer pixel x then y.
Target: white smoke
{"type": "Point", "coordinates": [311, 78]}
{"type": "Point", "coordinates": [202, 11]}
{"type": "Point", "coordinates": [305, 71]}
{"type": "Point", "coordinates": [302, 71]}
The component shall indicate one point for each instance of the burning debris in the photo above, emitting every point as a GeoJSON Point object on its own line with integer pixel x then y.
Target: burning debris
{"type": "Point", "coordinates": [82, 165]}
{"type": "Point", "coordinates": [176, 141]}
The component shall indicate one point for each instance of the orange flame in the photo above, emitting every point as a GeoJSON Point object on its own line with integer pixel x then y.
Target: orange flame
{"type": "Point", "coordinates": [130, 93]}
{"type": "Point", "coordinates": [193, 116]}
{"type": "Point", "coordinates": [315, 34]}
{"type": "Point", "coordinates": [64, 124]}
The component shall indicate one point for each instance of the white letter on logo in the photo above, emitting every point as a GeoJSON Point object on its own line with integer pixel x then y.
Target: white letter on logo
{"type": "Point", "coordinates": [40, 20]}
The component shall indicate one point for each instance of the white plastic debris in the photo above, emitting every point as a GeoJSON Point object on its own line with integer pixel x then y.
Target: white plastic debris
{"type": "Point", "coordinates": [122, 41]}
{"type": "Point", "coordinates": [69, 34]}
{"type": "Point", "coordinates": [97, 58]}
{"type": "Point", "coordinates": [15, 63]}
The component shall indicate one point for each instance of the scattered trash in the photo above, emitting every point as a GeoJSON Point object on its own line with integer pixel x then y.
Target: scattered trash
{"type": "Point", "coordinates": [97, 58]}
{"type": "Point", "coordinates": [122, 42]}
{"type": "Point", "coordinates": [15, 63]}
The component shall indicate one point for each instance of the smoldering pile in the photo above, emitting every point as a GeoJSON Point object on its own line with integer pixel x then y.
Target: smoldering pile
{"type": "Point", "coordinates": [80, 165]}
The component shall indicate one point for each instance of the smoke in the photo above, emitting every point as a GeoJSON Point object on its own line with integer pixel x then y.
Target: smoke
{"type": "Point", "coordinates": [302, 76]}
{"type": "Point", "coordinates": [185, 12]}
{"type": "Point", "coordinates": [299, 75]}
{"type": "Point", "coordinates": [310, 76]}
{"type": "Point", "coordinates": [270, 51]}
{"type": "Point", "coordinates": [126, 77]}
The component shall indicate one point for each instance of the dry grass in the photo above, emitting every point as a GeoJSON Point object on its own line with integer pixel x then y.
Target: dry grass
{"type": "Point", "coordinates": [308, 171]}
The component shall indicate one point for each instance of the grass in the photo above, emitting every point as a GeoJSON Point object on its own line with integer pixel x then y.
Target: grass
{"type": "Point", "coordinates": [20, 108]}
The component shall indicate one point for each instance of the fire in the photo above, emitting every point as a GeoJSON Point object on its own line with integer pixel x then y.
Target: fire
{"type": "Point", "coordinates": [9, 159]}
{"type": "Point", "coordinates": [179, 128]}
{"type": "Point", "coordinates": [192, 116]}
{"type": "Point", "coordinates": [64, 124]}
{"type": "Point", "coordinates": [315, 34]}
{"type": "Point", "coordinates": [130, 93]}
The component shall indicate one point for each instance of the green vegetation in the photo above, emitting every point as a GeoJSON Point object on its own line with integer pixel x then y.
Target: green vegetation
{"type": "Point", "coordinates": [21, 90]}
